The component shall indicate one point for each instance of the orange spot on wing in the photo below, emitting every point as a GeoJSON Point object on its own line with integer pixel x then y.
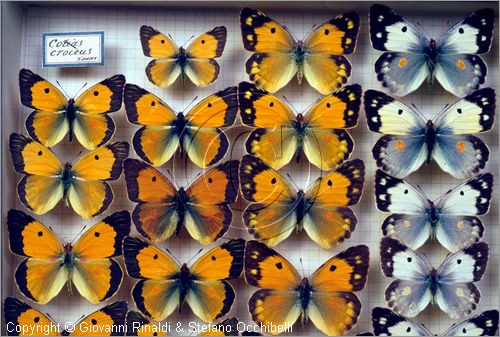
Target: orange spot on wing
{"type": "Point", "coordinates": [328, 138]}
{"type": "Point", "coordinates": [403, 62]}
{"type": "Point", "coordinates": [400, 145]}
{"type": "Point", "coordinates": [460, 64]}
{"type": "Point", "coordinates": [460, 146]}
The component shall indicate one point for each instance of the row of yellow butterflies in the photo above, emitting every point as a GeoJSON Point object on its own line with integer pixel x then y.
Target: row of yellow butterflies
{"type": "Point", "coordinates": [276, 208]}
{"type": "Point", "coordinates": [278, 133]}
{"type": "Point", "coordinates": [326, 297]}
{"type": "Point", "coordinates": [277, 56]}
{"type": "Point", "coordinates": [112, 320]}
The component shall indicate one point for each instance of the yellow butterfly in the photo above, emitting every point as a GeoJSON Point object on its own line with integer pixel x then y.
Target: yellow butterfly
{"type": "Point", "coordinates": [320, 132]}
{"type": "Point", "coordinates": [84, 117]}
{"type": "Point", "coordinates": [23, 320]}
{"type": "Point", "coordinates": [197, 133]}
{"type": "Point", "coordinates": [277, 208]}
{"type": "Point", "coordinates": [140, 325]}
{"type": "Point", "coordinates": [202, 207]}
{"type": "Point", "coordinates": [164, 285]}
{"type": "Point", "coordinates": [278, 57]}
{"type": "Point", "coordinates": [196, 61]}
{"type": "Point", "coordinates": [50, 264]}
{"type": "Point", "coordinates": [326, 297]}
{"type": "Point", "coordinates": [82, 185]}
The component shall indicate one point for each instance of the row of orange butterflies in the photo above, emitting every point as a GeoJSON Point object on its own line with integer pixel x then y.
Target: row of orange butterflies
{"type": "Point", "coordinates": [327, 297]}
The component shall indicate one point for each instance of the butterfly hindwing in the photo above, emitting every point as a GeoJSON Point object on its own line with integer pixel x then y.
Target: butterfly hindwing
{"type": "Point", "coordinates": [108, 321]}
{"type": "Point", "coordinates": [484, 324]}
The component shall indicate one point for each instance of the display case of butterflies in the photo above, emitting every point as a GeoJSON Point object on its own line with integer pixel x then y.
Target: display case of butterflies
{"type": "Point", "coordinates": [252, 168]}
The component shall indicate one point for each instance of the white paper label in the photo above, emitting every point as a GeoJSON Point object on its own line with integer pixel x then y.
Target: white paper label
{"type": "Point", "coordinates": [80, 49]}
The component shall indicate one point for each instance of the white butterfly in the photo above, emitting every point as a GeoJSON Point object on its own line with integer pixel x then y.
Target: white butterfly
{"type": "Point", "coordinates": [411, 55]}
{"type": "Point", "coordinates": [412, 140]}
{"type": "Point", "coordinates": [451, 219]}
{"type": "Point", "coordinates": [417, 283]}
{"type": "Point", "coordinates": [388, 323]}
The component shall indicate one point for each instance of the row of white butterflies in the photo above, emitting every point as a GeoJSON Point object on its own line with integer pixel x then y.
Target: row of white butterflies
{"type": "Point", "coordinates": [388, 323]}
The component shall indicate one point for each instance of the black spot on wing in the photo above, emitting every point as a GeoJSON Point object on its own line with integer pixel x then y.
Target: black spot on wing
{"type": "Point", "coordinates": [16, 223]}
{"type": "Point", "coordinates": [13, 308]}
{"type": "Point", "coordinates": [27, 79]}
{"type": "Point", "coordinates": [146, 33]}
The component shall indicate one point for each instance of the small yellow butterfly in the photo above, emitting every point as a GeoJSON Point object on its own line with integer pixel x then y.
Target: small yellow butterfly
{"type": "Point", "coordinates": [278, 57]}
{"type": "Point", "coordinates": [326, 297]}
{"type": "Point", "coordinates": [320, 132]}
{"type": "Point", "coordinates": [164, 285]}
{"type": "Point", "coordinates": [84, 117]}
{"type": "Point", "coordinates": [50, 264]}
{"type": "Point", "coordinates": [196, 61]}
{"type": "Point", "coordinates": [83, 185]}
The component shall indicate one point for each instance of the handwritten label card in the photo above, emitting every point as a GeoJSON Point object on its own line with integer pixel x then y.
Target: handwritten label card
{"type": "Point", "coordinates": [80, 49]}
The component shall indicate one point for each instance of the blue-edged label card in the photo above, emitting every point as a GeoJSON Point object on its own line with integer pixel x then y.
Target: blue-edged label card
{"type": "Point", "coordinates": [77, 49]}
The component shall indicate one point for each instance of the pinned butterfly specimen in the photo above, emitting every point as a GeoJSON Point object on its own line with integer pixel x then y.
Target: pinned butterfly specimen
{"type": "Point", "coordinates": [140, 325]}
{"type": "Point", "coordinates": [451, 219]}
{"type": "Point", "coordinates": [197, 133]}
{"type": "Point", "coordinates": [165, 285]}
{"type": "Point", "coordinates": [83, 185]}
{"type": "Point", "coordinates": [418, 283]}
{"type": "Point", "coordinates": [196, 61]}
{"type": "Point", "coordinates": [163, 209]}
{"type": "Point", "coordinates": [277, 208]}
{"type": "Point", "coordinates": [388, 323]}
{"type": "Point", "coordinates": [51, 264]}
{"type": "Point", "coordinates": [412, 140]}
{"type": "Point", "coordinates": [107, 321]}
{"type": "Point", "coordinates": [319, 133]}
{"type": "Point", "coordinates": [278, 57]}
{"type": "Point", "coordinates": [56, 115]}
{"type": "Point", "coordinates": [412, 56]}
{"type": "Point", "coordinates": [326, 297]}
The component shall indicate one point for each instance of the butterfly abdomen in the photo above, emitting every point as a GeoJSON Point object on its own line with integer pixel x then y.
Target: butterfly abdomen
{"type": "Point", "coordinates": [182, 130]}
{"type": "Point", "coordinates": [302, 206]}
{"type": "Point", "coordinates": [185, 283]}
{"type": "Point", "coordinates": [182, 60]}
{"type": "Point", "coordinates": [70, 111]}
{"type": "Point", "coordinates": [430, 140]}
{"type": "Point", "coordinates": [181, 202]}
{"type": "Point", "coordinates": [66, 179]}
{"type": "Point", "coordinates": [304, 289]}
{"type": "Point", "coordinates": [299, 55]}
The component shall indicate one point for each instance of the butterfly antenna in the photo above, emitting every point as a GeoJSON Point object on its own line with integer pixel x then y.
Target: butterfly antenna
{"type": "Point", "coordinates": [80, 90]}
{"type": "Point", "coordinates": [185, 43]}
{"type": "Point", "coordinates": [293, 181]}
{"type": "Point", "coordinates": [173, 256]}
{"type": "Point", "coordinates": [56, 234]}
{"type": "Point", "coordinates": [417, 110]}
{"type": "Point", "coordinates": [172, 179]}
{"type": "Point", "coordinates": [191, 103]}
{"type": "Point", "coordinates": [291, 105]}
{"type": "Point", "coordinates": [78, 235]}
{"type": "Point", "coordinates": [195, 255]}
{"type": "Point", "coordinates": [302, 267]}
{"type": "Point", "coordinates": [62, 89]}
{"type": "Point", "coordinates": [76, 156]}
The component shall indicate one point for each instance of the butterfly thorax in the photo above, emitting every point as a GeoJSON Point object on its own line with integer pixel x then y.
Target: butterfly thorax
{"type": "Point", "coordinates": [181, 202]}
{"type": "Point", "coordinates": [70, 111]}
{"type": "Point", "coordinates": [184, 280]}
{"type": "Point", "coordinates": [304, 290]}
{"type": "Point", "coordinates": [68, 259]}
{"type": "Point", "coordinates": [182, 60]}
{"type": "Point", "coordinates": [299, 54]}
{"type": "Point", "coordinates": [67, 178]}
{"type": "Point", "coordinates": [430, 139]}
{"type": "Point", "coordinates": [433, 282]}
{"type": "Point", "coordinates": [180, 128]}
{"type": "Point", "coordinates": [433, 214]}
{"type": "Point", "coordinates": [301, 206]}
{"type": "Point", "coordinates": [432, 51]}
{"type": "Point", "coordinates": [300, 127]}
